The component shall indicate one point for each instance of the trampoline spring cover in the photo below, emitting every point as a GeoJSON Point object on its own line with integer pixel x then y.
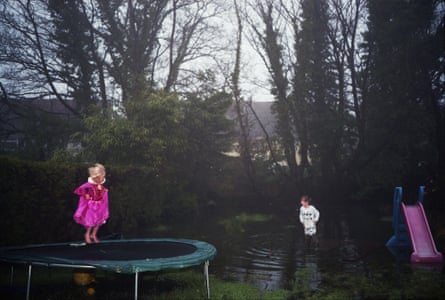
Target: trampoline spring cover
{"type": "Point", "coordinates": [122, 256]}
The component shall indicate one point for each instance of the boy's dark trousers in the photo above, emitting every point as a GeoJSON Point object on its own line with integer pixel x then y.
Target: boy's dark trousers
{"type": "Point", "coordinates": [310, 241]}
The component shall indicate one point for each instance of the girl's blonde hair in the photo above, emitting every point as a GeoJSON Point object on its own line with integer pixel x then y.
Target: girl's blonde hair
{"type": "Point", "coordinates": [96, 170]}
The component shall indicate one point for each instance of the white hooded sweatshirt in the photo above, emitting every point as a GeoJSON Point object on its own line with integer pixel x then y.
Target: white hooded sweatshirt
{"type": "Point", "coordinates": [309, 216]}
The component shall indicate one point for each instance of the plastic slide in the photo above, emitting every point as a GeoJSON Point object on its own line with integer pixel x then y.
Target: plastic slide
{"type": "Point", "coordinates": [424, 248]}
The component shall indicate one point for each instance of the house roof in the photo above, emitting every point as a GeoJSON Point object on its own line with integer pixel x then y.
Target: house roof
{"type": "Point", "coordinates": [264, 112]}
{"type": "Point", "coordinates": [13, 112]}
{"type": "Point", "coordinates": [266, 116]}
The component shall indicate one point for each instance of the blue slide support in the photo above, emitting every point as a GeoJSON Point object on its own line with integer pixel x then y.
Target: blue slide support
{"type": "Point", "coordinates": [401, 238]}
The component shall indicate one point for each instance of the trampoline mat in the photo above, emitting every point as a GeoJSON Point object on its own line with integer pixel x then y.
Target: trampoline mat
{"type": "Point", "coordinates": [109, 251]}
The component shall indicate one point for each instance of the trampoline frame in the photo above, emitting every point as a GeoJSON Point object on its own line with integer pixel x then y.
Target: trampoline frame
{"type": "Point", "coordinates": [30, 263]}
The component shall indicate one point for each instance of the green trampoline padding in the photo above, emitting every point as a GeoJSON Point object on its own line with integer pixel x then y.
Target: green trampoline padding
{"type": "Point", "coordinates": [123, 256]}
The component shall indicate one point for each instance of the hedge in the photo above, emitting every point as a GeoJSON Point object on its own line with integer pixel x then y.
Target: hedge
{"type": "Point", "coordinates": [37, 201]}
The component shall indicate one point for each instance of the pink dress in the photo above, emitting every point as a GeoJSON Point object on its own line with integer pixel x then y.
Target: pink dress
{"type": "Point", "coordinates": [92, 209]}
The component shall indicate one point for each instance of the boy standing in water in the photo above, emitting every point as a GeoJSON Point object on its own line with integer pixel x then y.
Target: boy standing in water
{"type": "Point", "coordinates": [309, 217]}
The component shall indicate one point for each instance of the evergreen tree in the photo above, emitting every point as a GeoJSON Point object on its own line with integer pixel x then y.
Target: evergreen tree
{"type": "Point", "coordinates": [313, 88]}
{"type": "Point", "coordinates": [403, 55]}
{"type": "Point", "coordinates": [76, 49]}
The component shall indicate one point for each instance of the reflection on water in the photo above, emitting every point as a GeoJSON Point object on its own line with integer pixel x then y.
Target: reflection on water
{"type": "Point", "coordinates": [273, 259]}
{"type": "Point", "coordinates": [349, 253]}
{"type": "Point", "coordinates": [264, 262]}
{"type": "Point", "coordinates": [272, 255]}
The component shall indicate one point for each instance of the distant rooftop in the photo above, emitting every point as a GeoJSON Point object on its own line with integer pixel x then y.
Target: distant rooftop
{"type": "Point", "coordinates": [264, 112]}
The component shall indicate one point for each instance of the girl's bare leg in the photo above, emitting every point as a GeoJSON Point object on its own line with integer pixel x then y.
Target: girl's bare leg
{"type": "Point", "coordinates": [94, 235]}
{"type": "Point", "coordinates": [87, 235]}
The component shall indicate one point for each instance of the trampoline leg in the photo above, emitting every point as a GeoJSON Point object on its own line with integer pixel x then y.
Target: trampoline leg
{"type": "Point", "coordinates": [206, 274]}
{"type": "Point", "coordinates": [28, 284]}
{"type": "Point", "coordinates": [11, 278]}
{"type": "Point", "coordinates": [136, 283]}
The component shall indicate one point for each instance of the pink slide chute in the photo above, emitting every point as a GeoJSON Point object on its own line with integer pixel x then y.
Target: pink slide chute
{"type": "Point", "coordinates": [424, 248]}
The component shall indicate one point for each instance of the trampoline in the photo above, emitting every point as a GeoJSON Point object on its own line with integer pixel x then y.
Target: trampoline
{"type": "Point", "coordinates": [122, 256]}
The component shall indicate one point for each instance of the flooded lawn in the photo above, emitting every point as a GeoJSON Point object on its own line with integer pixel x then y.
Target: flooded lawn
{"type": "Point", "coordinates": [269, 252]}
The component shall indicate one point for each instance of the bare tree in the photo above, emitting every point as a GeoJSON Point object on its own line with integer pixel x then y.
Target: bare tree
{"type": "Point", "coordinates": [242, 117]}
{"type": "Point", "coordinates": [27, 57]}
{"type": "Point", "coordinates": [266, 37]}
{"type": "Point", "coordinates": [192, 36]}
{"type": "Point", "coordinates": [106, 46]}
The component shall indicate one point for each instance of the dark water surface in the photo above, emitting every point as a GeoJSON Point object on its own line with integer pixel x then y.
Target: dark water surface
{"type": "Point", "coordinates": [268, 254]}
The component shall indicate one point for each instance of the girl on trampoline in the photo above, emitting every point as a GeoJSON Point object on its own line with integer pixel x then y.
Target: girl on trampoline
{"type": "Point", "coordinates": [92, 210]}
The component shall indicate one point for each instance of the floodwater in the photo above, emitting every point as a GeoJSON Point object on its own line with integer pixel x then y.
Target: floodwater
{"type": "Point", "coordinates": [270, 253]}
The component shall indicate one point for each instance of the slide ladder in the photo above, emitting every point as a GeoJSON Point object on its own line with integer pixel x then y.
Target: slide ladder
{"type": "Point", "coordinates": [410, 224]}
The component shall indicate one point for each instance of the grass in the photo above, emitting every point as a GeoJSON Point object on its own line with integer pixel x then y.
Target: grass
{"type": "Point", "coordinates": [237, 223]}
{"type": "Point", "coordinates": [404, 282]}
{"type": "Point", "coordinates": [53, 283]}
{"type": "Point", "coordinates": [187, 284]}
